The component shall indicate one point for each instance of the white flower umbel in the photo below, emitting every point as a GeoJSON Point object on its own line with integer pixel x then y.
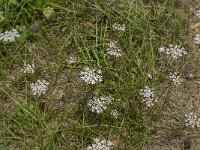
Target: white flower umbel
{"type": "Point", "coordinates": [174, 51]}
{"type": "Point", "coordinates": [115, 113]}
{"type": "Point", "coordinates": [149, 76]}
{"type": "Point", "coordinates": [197, 13]}
{"type": "Point", "coordinates": [119, 27]}
{"type": "Point", "coordinates": [197, 39]}
{"type": "Point", "coordinates": [113, 49]}
{"type": "Point", "coordinates": [191, 120]}
{"type": "Point", "coordinates": [99, 104]}
{"type": "Point", "coordinates": [100, 145]}
{"type": "Point", "coordinates": [91, 76]}
{"type": "Point", "coordinates": [9, 36]}
{"type": "Point", "coordinates": [175, 78]}
{"type": "Point", "coordinates": [40, 87]}
{"type": "Point", "coordinates": [29, 69]}
{"type": "Point", "coordinates": [161, 49]}
{"type": "Point", "coordinates": [71, 60]}
{"type": "Point", "coordinates": [148, 96]}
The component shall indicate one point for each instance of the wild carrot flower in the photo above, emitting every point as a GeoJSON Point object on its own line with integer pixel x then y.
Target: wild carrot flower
{"type": "Point", "coordinates": [149, 76]}
{"type": "Point", "coordinates": [100, 145]}
{"type": "Point", "coordinates": [71, 60]}
{"type": "Point", "coordinates": [119, 27]}
{"type": "Point", "coordinates": [148, 96]}
{"type": "Point", "coordinates": [191, 120]}
{"type": "Point", "coordinates": [197, 39]}
{"type": "Point", "coordinates": [175, 78]}
{"type": "Point", "coordinates": [99, 104]}
{"type": "Point", "coordinates": [9, 36]}
{"type": "Point", "coordinates": [174, 51]}
{"type": "Point", "coordinates": [113, 49]}
{"type": "Point", "coordinates": [161, 49]}
{"type": "Point", "coordinates": [29, 69]}
{"type": "Point", "coordinates": [40, 87]}
{"type": "Point", "coordinates": [48, 11]}
{"type": "Point", "coordinates": [197, 13]}
{"type": "Point", "coordinates": [115, 113]}
{"type": "Point", "coordinates": [91, 76]}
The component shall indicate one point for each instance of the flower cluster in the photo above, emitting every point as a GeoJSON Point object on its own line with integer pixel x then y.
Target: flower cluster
{"type": "Point", "coordinates": [119, 27]}
{"type": "Point", "coordinates": [40, 87]}
{"type": "Point", "coordinates": [175, 78]}
{"type": "Point", "coordinates": [115, 113]}
{"type": "Point", "coordinates": [29, 69]}
{"type": "Point", "coordinates": [197, 39]}
{"type": "Point", "coordinates": [91, 76]}
{"type": "Point", "coordinates": [149, 76]}
{"type": "Point", "coordinates": [99, 104]}
{"type": "Point", "coordinates": [161, 49]}
{"type": "Point", "coordinates": [48, 11]}
{"type": "Point", "coordinates": [9, 36]}
{"type": "Point", "coordinates": [174, 51]}
{"type": "Point", "coordinates": [71, 60]}
{"type": "Point", "coordinates": [100, 145]}
{"type": "Point", "coordinates": [192, 120]}
{"type": "Point", "coordinates": [113, 49]}
{"type": "Point", "coordinates": [1, 17]}
{"type": "Point", "coordinates": [148, 96]}
{"type": "Point", "coordinates": [198, 13]}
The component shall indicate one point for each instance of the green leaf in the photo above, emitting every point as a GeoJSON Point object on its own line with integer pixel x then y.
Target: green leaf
{"type": "Point", "coordinates": [14, 2]}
